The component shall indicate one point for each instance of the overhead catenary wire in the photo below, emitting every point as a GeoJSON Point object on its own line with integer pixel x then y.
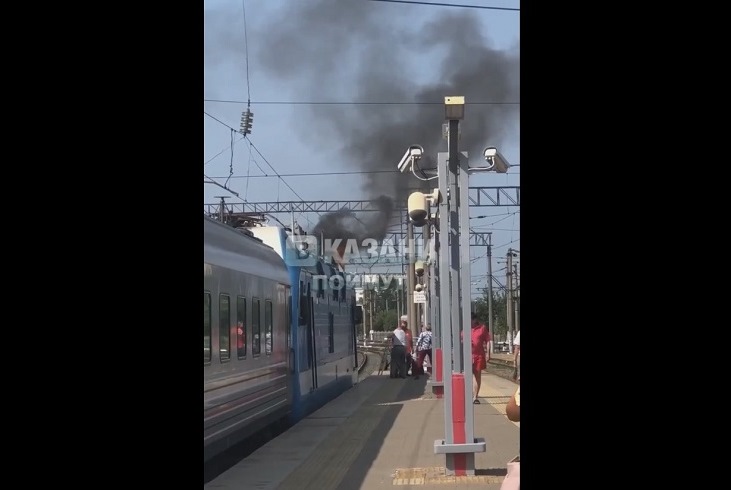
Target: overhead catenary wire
{"type": "Point", "coordinates": [321, 174]}
{"type": "Point", "coordinates": [440, 4]}
{"type": "Point", "coordinates": [265, 160]}
{"type": "Point", "coordinates": [343, 102]}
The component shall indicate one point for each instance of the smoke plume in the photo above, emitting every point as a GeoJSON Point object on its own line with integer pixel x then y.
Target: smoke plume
{"type": "Point", "coordinates": [372, 52]}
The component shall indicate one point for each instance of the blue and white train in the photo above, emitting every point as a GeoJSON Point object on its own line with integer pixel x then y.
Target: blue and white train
{"type": "Point", "coordinates": [266, 358]}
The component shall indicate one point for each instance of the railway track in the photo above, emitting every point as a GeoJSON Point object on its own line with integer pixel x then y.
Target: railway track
{"type": "Point", "coordinates": [498, 367]}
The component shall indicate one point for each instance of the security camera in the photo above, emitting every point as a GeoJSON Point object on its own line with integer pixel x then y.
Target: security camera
{"type": "Point", "coordinates": [495, 160]}
{"type": "Point", "coordinates": [413, 153]}
{"type": "Point", "coordinates": [418, 288]}
{"type": "Point", "coordinates": [418, 208]}
{"type": "Point", "coordinates": [419, 268]}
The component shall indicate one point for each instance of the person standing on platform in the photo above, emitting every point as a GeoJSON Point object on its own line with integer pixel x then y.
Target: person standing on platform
{"type": "Point", "coordinates": [398, 351]}
{"type": "Point", "coordinates": [480, 354]}
{"type": "Point", "coordinates": [423, 349]}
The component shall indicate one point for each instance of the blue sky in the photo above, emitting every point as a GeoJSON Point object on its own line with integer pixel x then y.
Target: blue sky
{"type": "Point", "coordinates": [289, 137]}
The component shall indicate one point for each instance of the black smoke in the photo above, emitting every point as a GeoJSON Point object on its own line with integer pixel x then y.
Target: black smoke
{"type": "Point", "coordinates": [345, 224]}
{"type": "Point", "coordinates": [364, 52]}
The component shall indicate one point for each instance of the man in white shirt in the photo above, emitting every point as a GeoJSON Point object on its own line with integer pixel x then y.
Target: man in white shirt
{"type": "Point", "coordinates": [398, 351]}
{"type": "Point", "coordinates": [516, 352]}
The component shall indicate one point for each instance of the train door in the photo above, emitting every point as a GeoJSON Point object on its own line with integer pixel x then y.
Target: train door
{"type": "Point", "coordinates": [353, 322]}
{"type": "Point", "coordinates": [289, 349]}
{"type": "Point", "coordinates": [304, 336]}
{"type": "Point", "coordinates": [311, 335]}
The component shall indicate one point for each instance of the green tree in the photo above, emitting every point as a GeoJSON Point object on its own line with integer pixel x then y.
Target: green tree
{"type": "Point", "coordinates": [384, 301]}
{"type": "Point", "coordinates": [385, 320]}
{"type": "Point", "coordinates": [499, 312]}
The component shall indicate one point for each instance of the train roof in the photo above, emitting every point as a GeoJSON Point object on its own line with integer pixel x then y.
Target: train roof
{"type": "Point", "coordinates": [240, 250]}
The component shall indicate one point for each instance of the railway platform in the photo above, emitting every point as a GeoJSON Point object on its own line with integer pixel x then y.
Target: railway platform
{"type": "Point", "coordinates": [380, 434]}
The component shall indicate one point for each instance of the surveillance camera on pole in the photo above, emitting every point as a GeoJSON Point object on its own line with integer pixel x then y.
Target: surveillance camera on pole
{"type": "Point", "coordinates": [419, 269]}
{"type": "Point", "coordinates": [418, 205]}
{"type": "Point", "coordinates": [495, 160]}
{"type": "Point", "coordinates": [418, 288]}
{"type": "Point", "coordinates": [413, 153]}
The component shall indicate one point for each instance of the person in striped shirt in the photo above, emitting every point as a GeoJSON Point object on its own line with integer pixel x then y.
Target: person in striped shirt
{"type": "Point", "coordinates": [423, 349]}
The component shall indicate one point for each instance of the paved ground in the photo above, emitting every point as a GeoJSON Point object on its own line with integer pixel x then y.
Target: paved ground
{"type": "Point", "coordinates": [380, 434]}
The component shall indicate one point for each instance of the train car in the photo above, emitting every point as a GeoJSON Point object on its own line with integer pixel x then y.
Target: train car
{"type": "Point", "coordinates": [246, 331]}
{"type": "Point", "coordinates": [324, 314]}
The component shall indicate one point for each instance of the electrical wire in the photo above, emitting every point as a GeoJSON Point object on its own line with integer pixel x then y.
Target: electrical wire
{"type": "Point", "coordinates": [437, 4]}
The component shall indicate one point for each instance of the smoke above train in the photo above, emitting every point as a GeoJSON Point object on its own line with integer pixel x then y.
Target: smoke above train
{"type": "Point", "coordinates": [361, 52]}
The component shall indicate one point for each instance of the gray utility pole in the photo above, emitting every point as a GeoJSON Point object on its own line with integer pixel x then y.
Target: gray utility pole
{"type": "Point", "coordinates": [509, 299]}
{"type": "Point", "coordinates": [459, 445]}
{"type": "Point", "coordinates": [404, 269]}
{"type": "Point", "coordinates": [491, 319]}
{"type": "Point", "coordinates": [370, 306]}
{"type": "Point", "coordinates": [434, 306]}
{"type": "Point", "coordinates": [222, 208]}
{"type": "Point", "coordinates": [411, 276]}
{"type": "Point", "coordinates": [516, 299]}
{"type": "Point", "coordinates": [427, 273]}
{"type": "Point", "coordinates": [398, 300]}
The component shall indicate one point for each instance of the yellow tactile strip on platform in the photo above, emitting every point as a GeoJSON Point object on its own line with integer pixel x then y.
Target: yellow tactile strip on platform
{"type": "Point", "coordinates": [438, 476]}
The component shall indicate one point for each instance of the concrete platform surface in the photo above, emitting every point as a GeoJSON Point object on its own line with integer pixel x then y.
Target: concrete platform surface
{"type": "Point", "coordinates": [380, 434]}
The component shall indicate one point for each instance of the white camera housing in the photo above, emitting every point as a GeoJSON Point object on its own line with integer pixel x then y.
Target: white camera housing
{"type": "Point", "coordinates": [495, 160]}
{"type": "Point", "coordinates": [418, 208]}
{"type": "Point", "coordinates": [418, 288]}
{"type": "Point", "coordinates": [419, 268]}
{"type": "Point", "coordinates": [413, 153]}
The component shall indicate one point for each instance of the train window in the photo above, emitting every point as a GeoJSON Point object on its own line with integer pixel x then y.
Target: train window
{"type": "Point", "coordinates": [331, 333]}
{"type": "Point", "coordinates": [268, 331]}
{"type": "Point", "coordinates": [206, 328]}
{"type": "Point", "coordinates": [241, 327]}
{"type": "Point", "coordinates": [255, 327]}
{"type": "Point", "coordinates": [302, 310]}
{"type": "Point", "coordinates": [224, 327]}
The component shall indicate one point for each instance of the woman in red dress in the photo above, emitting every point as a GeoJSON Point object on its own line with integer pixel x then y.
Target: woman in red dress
{"type": "Point", "coordinates": [480, 355]}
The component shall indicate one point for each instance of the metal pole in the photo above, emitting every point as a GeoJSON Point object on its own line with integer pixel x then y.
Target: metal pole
{"type": "Point", "coordinates": [509, 300]}
{"type": "Point", "coordinates": [433, 293]}
{"type": "Point", "coordinates": [516, 299]}
{"type": "Point", "coordinates": [465, 278]}
{"type": "Point", "coordinates": [370, 306]}
{"type": "Point", "coordinates": [454, 258]}
{"type": "Point", "coordinates": [398, 299]}
{"type": "Point", "coordinates": [400, 288]}
{"type": "Point", "coordinates": [412, 310]}
{"type": "Point", "coordinates": [489, 290]}
{"type": "Point", "coordinates": [461, 445]}
{"type": "Point", "coordinates": [439, 287]}
{"type": "Point", "coordinates": [427, 273]}
{"type": "Point", "coordinates": [222, 209]}
{"type": "Point", "coordinates": [445, 319]}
